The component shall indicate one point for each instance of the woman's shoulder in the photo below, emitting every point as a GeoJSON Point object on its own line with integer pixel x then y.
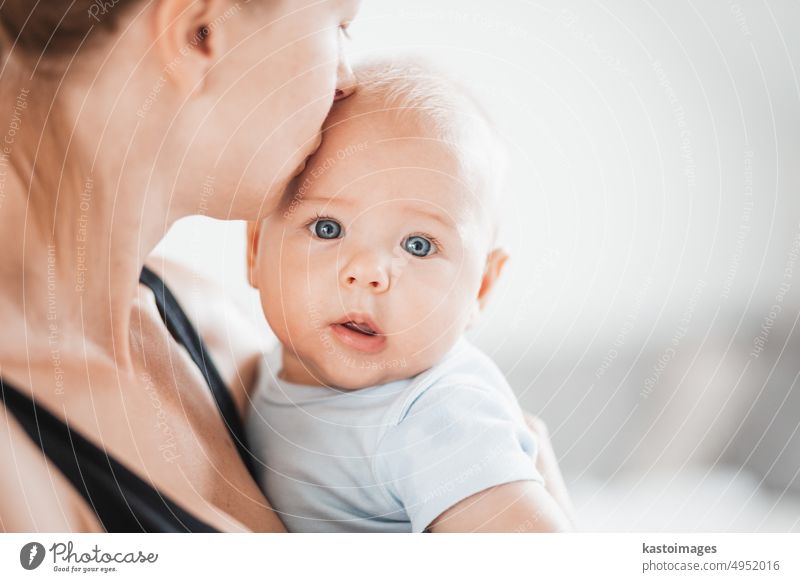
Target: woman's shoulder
{"type": "Point", "coordinates": [34, 496]}
{"type": "Point", "coordinates": [234, 341]}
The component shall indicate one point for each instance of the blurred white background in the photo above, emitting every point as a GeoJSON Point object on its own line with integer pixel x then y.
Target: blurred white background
{"type": "Point", "coordinates": [653, 216]}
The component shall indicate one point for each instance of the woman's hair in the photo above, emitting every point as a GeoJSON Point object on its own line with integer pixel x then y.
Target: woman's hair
{"type": "Point", "coordinates": [39, 39]}
{"type": "Point", "coordinates": [55, 28]}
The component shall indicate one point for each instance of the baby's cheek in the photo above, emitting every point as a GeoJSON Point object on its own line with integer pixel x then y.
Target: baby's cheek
{"type": "Point", "coordinates": [448, 320]}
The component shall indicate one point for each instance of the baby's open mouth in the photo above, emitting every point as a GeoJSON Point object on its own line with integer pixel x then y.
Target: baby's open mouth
{"type": "Point", "coordinates": [359, 332]}
{"type": "Point", "coordinates": [360, 328]}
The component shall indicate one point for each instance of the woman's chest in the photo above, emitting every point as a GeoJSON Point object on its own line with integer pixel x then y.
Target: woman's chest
{"type": "Point", "coordinates": [179, 425]}
{"type": "Point", "coordinates": [159, 420]}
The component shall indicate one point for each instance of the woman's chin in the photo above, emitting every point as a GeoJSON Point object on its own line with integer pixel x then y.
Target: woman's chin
{"type": "Point", "coordinates": [301, 168]}
{"type": "Point", "coordinates": [304, 162]}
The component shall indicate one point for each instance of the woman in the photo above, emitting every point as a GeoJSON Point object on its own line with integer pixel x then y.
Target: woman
{"type": "Point", "coordinates": [124, 117]}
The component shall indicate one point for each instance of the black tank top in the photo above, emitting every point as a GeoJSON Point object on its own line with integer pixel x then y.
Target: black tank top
{"type": "Point", "coordinates": [123, 501]}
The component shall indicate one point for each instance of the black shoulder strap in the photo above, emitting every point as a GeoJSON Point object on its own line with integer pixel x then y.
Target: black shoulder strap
{"type": "Point", "coordinates": [184, 333]}
{"type": "Point", "coordinates": [122, 501]}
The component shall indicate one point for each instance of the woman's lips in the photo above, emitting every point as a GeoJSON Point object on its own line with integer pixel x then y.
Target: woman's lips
{"type": "Point", "coordinates": [363, 342]}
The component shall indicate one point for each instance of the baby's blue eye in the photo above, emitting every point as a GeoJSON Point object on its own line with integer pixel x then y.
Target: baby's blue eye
{"type": "Point", "coordinates": [419, 246]}
{"type": "Point", "coordinates": [326, 228]}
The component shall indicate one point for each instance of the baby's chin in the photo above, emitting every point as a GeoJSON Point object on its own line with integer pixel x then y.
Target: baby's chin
{"type": "Point", "coordinates": [366, 373]}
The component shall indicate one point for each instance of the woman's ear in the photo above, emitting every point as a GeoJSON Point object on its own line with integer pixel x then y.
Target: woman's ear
{"type": "Point", "coordinates": [494, 267]}
{"type": "Point", "coordinates": [253, 234]}
{"type": "Point", "coordinates": [188, 38]}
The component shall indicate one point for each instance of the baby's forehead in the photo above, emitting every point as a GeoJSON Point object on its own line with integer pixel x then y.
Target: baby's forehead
{"type": "Point", "coordinates": [457, 141]}
{"type": "Point", "coordinates": [405, 117]}
{"type": "Point", "coordinates": [404, 154]}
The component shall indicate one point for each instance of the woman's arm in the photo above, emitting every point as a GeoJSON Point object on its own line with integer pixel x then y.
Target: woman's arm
{"type": "Point", "coordinates": [547, 465]}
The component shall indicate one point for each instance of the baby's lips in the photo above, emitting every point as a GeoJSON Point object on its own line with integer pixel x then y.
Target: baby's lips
{"type": "Point", "coordinates": [362, 327]}
{"type": "Point", "coordinates": [362, 321]}
{"type": "Point", "coordinates": [358, 340]}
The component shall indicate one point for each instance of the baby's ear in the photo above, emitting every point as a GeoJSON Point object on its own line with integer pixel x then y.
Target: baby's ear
{"type": "Point", "coordinates": [253, 234]}
{"type": "Point", "coordinates": [494, 267]}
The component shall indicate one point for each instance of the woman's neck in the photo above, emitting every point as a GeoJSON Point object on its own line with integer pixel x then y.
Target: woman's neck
{"type": "Point", "coordinates": [69, 271]}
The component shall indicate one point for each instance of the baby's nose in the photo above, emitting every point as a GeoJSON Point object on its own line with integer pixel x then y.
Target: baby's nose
{"type": "Point", "coordinates": [366, 271]}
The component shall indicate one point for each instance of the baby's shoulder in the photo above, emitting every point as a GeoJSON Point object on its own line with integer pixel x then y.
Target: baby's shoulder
{"type": "Point", "coordinates": [464, 378]}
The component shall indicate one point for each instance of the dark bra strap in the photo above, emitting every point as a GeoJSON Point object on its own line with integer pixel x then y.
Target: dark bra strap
{"type": "Point", "coordinates": [121, 500]}
{"type": "Point", "coordinates": [184, 333]}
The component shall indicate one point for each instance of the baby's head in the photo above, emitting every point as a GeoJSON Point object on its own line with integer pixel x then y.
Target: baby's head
{"type": "Point", "coordinates": [383, 251]}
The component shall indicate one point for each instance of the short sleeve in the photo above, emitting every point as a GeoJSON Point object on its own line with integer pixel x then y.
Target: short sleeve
{"type": "Point", "coordinates": [453, 442]}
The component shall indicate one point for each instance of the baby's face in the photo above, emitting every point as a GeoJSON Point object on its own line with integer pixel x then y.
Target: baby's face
{"type": "Point", "coordinates": [374, 266]}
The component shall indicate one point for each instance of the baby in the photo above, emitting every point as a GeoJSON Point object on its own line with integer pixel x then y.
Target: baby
{"type": "Point", "coordinates": [375, 414]}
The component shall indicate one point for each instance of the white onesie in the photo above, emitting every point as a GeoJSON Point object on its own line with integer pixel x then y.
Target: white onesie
{"type": "Point", "coordinates": [388, 458]}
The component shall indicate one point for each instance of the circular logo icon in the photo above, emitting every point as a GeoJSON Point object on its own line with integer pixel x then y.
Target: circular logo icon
{"type": "Point", "coordinates": [31, 555]}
